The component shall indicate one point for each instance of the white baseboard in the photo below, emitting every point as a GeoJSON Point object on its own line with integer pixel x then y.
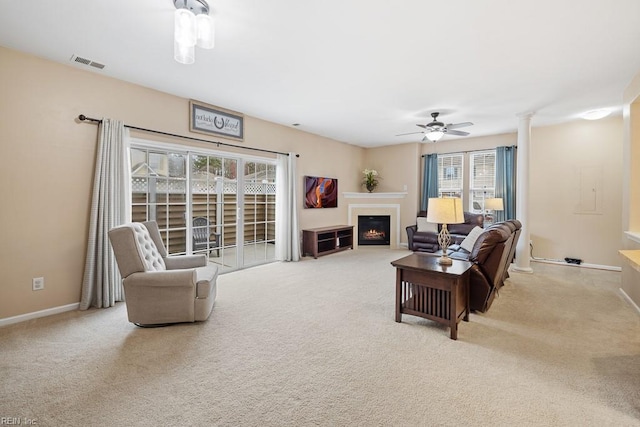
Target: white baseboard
{"type": "Point", "coordinates": [583, 265]}
{"type": "Point", "coordinates": [629, 300]}
{"type": "Point", "coordinates": [37, 314]}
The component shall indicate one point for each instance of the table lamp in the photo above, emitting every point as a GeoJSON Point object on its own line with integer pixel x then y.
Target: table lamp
{"type": "Point", "coordinates": [493, 204]}
{"type": "Point", "coordinates": [445, 210]}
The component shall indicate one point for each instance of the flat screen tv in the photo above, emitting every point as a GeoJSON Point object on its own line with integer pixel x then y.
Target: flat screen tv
{"type": "Point", "coordinates": [320, 192]}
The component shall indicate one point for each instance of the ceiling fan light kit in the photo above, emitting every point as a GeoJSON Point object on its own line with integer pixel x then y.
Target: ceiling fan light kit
{"type": "Point", "coordinates": [434, 135]}
{"type": "Point", "coordinates": [193, 26]}
{"type": "Point", "coordinates": [435, 130]}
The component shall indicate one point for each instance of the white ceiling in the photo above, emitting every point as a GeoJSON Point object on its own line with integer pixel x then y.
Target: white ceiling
{"type": "Point", "coordinates": [354, 70]}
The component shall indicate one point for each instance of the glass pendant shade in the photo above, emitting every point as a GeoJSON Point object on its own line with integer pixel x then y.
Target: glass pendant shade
{"type": "Point", "coordinates": [192, 27]}
{"type": "Point", "coordinates": [206, 31]}
{"type": "Point", "coordinates": [184, 54]}
{"type": "Point", "coordinates": [185, 28]}
{"type": "Point", "coordinates": [435, 135]}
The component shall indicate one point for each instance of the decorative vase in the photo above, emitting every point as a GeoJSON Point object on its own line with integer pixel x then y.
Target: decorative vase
{"type": "Point", "coordinates": [371, 187]}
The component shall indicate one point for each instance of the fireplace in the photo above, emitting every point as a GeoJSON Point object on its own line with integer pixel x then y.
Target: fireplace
{"type": "Point", "coordinates": [374, 230]}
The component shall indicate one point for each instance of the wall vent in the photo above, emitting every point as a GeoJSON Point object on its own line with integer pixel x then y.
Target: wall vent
{"type": "Point", "coordinates": [85, 61]}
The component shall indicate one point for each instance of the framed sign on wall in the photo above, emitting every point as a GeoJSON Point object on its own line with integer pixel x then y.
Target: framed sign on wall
{"type": "Point", "coordinates": [212, 120]}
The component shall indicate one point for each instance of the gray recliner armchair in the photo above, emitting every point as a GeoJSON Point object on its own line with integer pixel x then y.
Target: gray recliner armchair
{"type": "Point", "coordinates": [161, 289]}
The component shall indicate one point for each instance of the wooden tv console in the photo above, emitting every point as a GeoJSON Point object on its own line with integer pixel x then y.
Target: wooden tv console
{"type": "Point", "coordinates": [327, 240]}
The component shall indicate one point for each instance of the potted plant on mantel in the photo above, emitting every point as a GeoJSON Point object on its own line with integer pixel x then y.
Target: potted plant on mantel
{"type": "Point", "coordinates": [370, 180]}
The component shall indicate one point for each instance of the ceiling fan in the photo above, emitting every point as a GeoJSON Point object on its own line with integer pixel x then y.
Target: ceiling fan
{"type": "Point", "coordinates": [434, 130]}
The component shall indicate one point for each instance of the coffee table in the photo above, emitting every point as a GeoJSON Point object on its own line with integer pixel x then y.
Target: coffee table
{"type": "Point", "coordinates": [436, 292]}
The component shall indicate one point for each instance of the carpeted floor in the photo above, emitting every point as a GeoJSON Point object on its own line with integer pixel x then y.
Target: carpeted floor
{"type": "Point", "coordinates": [315, 343]}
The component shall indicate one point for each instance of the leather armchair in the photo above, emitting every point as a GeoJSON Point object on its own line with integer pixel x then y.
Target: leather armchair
{"type": "Point", "coordinates": [161, 289]}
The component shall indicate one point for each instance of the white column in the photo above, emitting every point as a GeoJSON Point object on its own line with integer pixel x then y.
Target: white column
{"type": "Point", "coordinates": [523, 263]}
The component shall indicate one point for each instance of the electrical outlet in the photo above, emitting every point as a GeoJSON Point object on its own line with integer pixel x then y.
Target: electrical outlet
{"type": "Point", "coordinates": [37, 283]}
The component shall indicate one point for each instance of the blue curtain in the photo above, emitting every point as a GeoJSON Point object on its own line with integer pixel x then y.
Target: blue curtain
{"type": "Point", "coordinates": [429, 180]}
{"type": "Point", "coordinates": [506, 181]}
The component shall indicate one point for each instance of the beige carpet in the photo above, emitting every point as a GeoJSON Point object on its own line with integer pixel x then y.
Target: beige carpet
{"type": "Point", "coordinates": [315, 343]}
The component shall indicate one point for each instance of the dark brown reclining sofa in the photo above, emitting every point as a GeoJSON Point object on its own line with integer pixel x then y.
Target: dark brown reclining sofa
{"type": "Point", "coordinates": [491, 256]}
{"type": "Point", "coordinates": [427, 241]}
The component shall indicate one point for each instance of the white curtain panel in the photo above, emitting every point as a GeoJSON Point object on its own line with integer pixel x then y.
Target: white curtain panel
{"type": "Point", "coordinates": [287, 235]}
{"type": "Point", "coordinates": [110, 206]}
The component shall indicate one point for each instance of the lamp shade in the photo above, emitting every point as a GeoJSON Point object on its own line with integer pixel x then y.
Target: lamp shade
{"type": "Point", "coordinates": [445, 210]}
{"type": "Point", "coordinates": [494, 204]}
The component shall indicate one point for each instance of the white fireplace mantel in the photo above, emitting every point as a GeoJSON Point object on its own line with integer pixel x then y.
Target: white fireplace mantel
{"type": "Point", "coordinates": [390, 195]}
{"type": "Point", "coordinates": [391, 209]}
{"type": "Point", "coordinates": [373, 204]}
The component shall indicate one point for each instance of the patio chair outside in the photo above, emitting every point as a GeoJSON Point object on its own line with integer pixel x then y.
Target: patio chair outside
{"type": "Point", "coordinates": [202, 236]}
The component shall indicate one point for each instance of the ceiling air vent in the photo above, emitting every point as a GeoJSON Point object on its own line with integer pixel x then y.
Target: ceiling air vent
{"type": "Point", "coordinates": [80, 60]}
{"type": "Point", "coordinates": [85, 61]}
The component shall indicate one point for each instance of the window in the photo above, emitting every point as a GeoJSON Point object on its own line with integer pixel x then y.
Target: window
{"type": "Point", "coordinates": [482, 179]}
{"type": "Point", "coordinates": [450, 175]}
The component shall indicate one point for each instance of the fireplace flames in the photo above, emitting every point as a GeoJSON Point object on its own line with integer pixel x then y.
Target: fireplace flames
{"type": "Point", "coordinates": [374, 230]}
{"type": "Point", "coordinates": [373, 234]}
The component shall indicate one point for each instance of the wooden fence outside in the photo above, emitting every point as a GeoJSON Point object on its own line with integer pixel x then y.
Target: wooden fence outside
{"type": "Point", "coordinates": [171, 209]}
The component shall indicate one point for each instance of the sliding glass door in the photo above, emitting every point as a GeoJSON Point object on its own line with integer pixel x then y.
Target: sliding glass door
{"type": "Point", "coordinates": [159, 193]}
{"type": "Point", "coordinates": [204, 205]}
{"type": "Point", "coordinates": [214, 207]}
{"type": "Point", "coordinates": [259, 206]}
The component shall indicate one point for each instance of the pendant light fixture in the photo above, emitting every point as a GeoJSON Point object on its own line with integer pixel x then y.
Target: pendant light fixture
{"type": "Point", "coordinates": [434, 135]}
{"type": "Point", "coordinates": [193, 26]}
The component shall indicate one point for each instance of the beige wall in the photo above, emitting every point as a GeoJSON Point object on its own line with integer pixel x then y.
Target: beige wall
{"type": "Point", "coordinates": [48, 161]}
{"type": "Point", "coordinates": [631, 188]}
{"type": "Point", "coordinates": [569, 162]}
{"type": "Point", "coordinates": [400, 169]}
{"type": "Point", "coordinates": [631, 100]}
{"type": "Point", "coordinates": [558, 155]}
{"type": "Point", "coordinates": [634, 167]}
{"type": "Point", "coordinates": [457, 145]}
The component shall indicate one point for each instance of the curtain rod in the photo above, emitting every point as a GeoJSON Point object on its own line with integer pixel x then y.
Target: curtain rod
{"type": "Point", "coordinates": [83, 118]}
{"type": "Point", "coordinates": [471, 151]}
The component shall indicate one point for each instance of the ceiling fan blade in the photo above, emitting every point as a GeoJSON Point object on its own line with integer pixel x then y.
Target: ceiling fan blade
{"type": "Point", "coordinates": [422, 126]}
{"type": "Point", "coordinates": [410, 133]}
{"type": "Point", "coordinates": [456, 132]}
{"type": "Point", "coordinates": [424, 139]}
{"type": "Point", "coordinates": [459, 125]}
